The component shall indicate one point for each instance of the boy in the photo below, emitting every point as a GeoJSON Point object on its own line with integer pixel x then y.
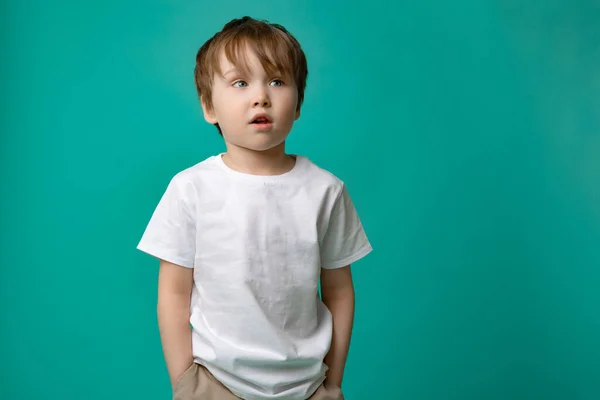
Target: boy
{"type": "Point", "coordinates": [244, 238]}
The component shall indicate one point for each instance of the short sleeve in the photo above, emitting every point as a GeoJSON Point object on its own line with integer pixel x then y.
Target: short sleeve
{"type": "Point", "coordinates": [345, 241]}
{"type": "Point", "coordinates": [171, 233]}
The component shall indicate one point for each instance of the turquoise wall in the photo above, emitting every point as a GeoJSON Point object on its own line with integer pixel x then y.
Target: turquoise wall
{"type": "Point", "coordinates": [469, 136]}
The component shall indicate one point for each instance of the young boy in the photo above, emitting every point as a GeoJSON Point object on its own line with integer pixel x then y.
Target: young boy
{"type": "Point", "coordinates": [245, 237]}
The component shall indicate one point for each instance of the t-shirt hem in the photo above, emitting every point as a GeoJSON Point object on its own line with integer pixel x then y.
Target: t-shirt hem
{"type": "Point", "coordinates": [366, 249]}
{"type": "Point", "coordinates": [164, 255]}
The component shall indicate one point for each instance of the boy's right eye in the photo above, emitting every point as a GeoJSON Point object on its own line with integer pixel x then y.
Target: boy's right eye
{"type": "Point", "coordinates": [240, 84]}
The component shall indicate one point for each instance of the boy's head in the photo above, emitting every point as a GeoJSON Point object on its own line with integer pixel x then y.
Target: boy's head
{"type": "Point", "coordinates": [247, 69]}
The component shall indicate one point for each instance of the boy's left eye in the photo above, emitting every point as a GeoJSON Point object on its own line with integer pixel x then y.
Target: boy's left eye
{"type": "Point", "coordinates": [276, 82]}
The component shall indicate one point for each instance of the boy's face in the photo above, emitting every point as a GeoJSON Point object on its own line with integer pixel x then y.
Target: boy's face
{"type": "Point", "coordinates": [239, 98]}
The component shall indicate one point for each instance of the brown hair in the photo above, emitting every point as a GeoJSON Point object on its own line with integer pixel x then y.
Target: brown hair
{"type": "Point", "coordinates": [274, 46]}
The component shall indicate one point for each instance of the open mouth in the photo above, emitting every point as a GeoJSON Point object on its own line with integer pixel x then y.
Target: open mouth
{"type": "Point", "coordinates": [261, 120]}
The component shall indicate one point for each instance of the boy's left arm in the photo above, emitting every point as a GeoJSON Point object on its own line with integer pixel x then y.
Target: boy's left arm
{"type": "Point", "coordinates": [337, 291]}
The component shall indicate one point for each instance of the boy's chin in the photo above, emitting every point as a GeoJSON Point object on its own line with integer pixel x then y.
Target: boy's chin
{"type": "Point", "coordinates": [264, 148]}
{"type": "Point", "coordinates": [260, 145]}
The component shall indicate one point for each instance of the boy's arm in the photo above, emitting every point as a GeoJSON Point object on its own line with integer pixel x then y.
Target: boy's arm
{"type": "Point", "coordinates": [337, 291]}
{"type": "Point", "coordinates": [173, 310]}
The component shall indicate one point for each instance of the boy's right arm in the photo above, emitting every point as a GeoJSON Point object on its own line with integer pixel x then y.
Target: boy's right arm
{"type": "Point", "coordinates": [173, 310]}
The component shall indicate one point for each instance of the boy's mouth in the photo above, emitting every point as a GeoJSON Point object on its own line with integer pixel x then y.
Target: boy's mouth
{"type": "Point", "coordinates": [261, 119]}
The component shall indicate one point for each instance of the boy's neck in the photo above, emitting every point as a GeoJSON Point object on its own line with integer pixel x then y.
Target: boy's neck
{"type": "Point", "coordinates": [265, 163]}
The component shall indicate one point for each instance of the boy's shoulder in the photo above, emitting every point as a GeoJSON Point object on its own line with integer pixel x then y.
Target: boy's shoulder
{"type": "Point", "coordinates": [206, 166]}
{"type": "Point", "coordinates": [317, 173]}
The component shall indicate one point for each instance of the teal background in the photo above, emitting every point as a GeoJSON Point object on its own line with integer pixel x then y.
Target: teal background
{"type": "Point", "coordinates": [468, 133]}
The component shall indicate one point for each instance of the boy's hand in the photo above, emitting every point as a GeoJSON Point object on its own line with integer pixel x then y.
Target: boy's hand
{"type": "Point", "coordinates": [173, 310]}
{"type": "Point", "coordinates": [338, 295]}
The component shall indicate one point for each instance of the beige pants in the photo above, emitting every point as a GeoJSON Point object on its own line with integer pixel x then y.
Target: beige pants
{"type": "Point", "coordinates": [197, 383]}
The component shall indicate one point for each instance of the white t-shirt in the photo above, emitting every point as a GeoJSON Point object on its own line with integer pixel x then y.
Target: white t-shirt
{"type": "Point", "coordinates": [257, 245]}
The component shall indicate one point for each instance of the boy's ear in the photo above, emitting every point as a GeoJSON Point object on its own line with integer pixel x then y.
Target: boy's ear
{"type": "Point", "coordinates": [209, 113]}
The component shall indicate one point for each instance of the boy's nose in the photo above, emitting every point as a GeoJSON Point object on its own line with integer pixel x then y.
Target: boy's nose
{"type": "Point", "coordinates": [262, 102]}
{"type": "Point", "coordinates": [262, 98]}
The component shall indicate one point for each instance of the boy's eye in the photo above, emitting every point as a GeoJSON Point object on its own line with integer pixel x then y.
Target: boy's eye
{"type": "Point", "coordinates": [276, 82]}
{"type": "Point", "coordinates": [240, 84]}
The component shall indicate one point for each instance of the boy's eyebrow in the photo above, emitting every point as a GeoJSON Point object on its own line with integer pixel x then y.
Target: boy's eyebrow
{"type": "Point", "coordinates": [230, 70]}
